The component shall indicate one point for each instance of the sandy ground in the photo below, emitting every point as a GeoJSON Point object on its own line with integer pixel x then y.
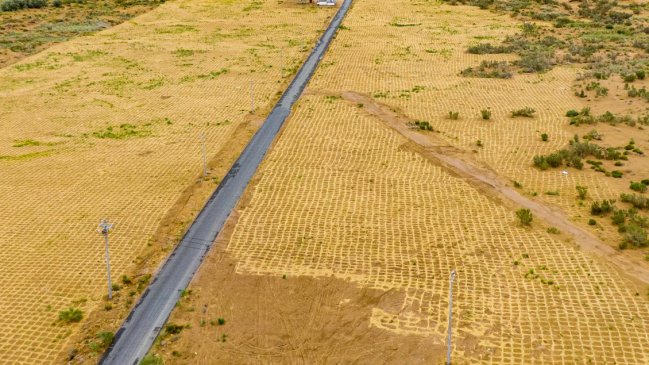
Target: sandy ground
{"type": "Point", "coordinates": [110, 126]}
{"type": "Point", "coordinates": [344, 198]}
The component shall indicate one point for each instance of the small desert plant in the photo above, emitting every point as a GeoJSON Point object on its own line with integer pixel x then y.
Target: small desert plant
{"type": "Point", "coordinates": [221, 321]}
{"type": "Point", "coordinates": [517, 185]}
{"type": "Point", "coordinates": [487, 48]}
{"type": "Point", "coordinates": [524, 112]}
{"type": "Point", "coordinates": [423, 125]}
{"type": "Point", "coordinates": [635, 236]}
{"type": "Point", "coordinates": [629, 77]}
{"type": "Point", "coordinates": [106, 338]}
{"type": "Point", "coordinates": [592, 222]}
{"type": "Point", "coordinates": [453, 115]}
{"type": "Point", "coordinates": [638, 186]}
{"type": "Point", "coordinates": [151, 359]}
{"type": "Point", "coordinates": [173, 329]}
{"type": "Point", "coordinates": [593, 135]}
{"type": "Point", "coordinates": [602, 208]}
{"type": "Point", "coordinates": [553, 230]}
{"type": "Point", "coordinates": [618, 218]}
{"type": "Point", "coordinates": [479, 143]}
{"type": "Point", "coordinates": [572, 113]}
{"type": "Point", "coordinates": [582, 191]}
{"type": "Point", "coordinates": [486, 114]}
{"type": "Point", "coordinates": [616, 174]}
{"type": "Point", "coordinates": [524, 216]}
{"type": "Point", "coordinates": [126, 280]}
{"type": "Point", "coordinates": [71, 315]}
{"type": "Point", "coordinates": [544, 137]}
{"type": "Point", "coordinates": [489, 69]}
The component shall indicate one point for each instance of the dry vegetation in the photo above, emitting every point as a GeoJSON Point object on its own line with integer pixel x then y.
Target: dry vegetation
{"type": "Point", "coordinates": [343, 200]}
{"type": "Point", "coordinates": [109, 126]}
{"type": "Point", "coordinates": [29, 26]}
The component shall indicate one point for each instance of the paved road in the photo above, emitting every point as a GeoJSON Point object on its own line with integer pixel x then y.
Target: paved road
{"type": "Point", "coordinates": [143, 324]}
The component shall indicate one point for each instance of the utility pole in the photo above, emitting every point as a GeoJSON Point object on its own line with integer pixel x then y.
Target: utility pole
{"type": "Point", "coordinates": [450, 316]}
{"type": "Point", "coordinates": [104, 228]}
{"type": "Point", "coordinates": [282, 65]}
{"type": "Point", "coordinates": [204, 158]}
{"type": "Point", "coordinates": [252, 99]}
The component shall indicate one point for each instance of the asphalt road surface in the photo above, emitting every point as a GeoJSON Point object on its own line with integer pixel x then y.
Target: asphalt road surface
{"type": "Point", "coordinates": [137, 334]}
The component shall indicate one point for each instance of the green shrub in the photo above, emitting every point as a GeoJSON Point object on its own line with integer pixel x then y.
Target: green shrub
{"type": "Point", "coordinates": [553, 230]}
{"type": "Point", "coordinates": [126, 280]}
{"type": "Point", "coordinates": [151, 359]}
{"type": "Point", "coordinates": [524, 112]}
{"type": "Point", "coordinates": [592, 222]}
{"type": "Point", "coordinates": [602, 208]}
{"type": "Point", "coordinates": [525, 216]}
{"type": "Point", "coordinates": [544, 137]}
{"type": "Point", "coordinates": [637, 186]}
{"type": "Point", "coordinates": [106, 338]}
{"type": "Point", "coordinates": [423, 125]}
{"type": "Point", "coordinates": [535, 60]}
{"type": "Point", "coordinates": [71, 315]}
{"type": "Point", "coordinates": [617, 174]}
{"type": "Point", "coordinates": [541, 162]}
{"type": "Point", "coordinates": [489, 69]}
{"type": "Point", "coordinates": [572, 113]}
{"type": "Point", "coordinates": [582, 191]}
{"type": "Point", "coordinates": [487, 48]}
{"type": "Point", "coordinates": [221, 321]}
{"type": "Point", "coordinates": [593, 135]}
{"type": "Point", "coordinates": [640, 74]}
{"type": "Point", "coordinates": [554, 160]}
{"type": "Point", "coordinates": [486, 114]}
{"type": "Point", "coordinates": [453, 115]}
{"type": "Point", "coordinates": [635, 236]}
{"type": "Point", "coordinates": [173, 329]}
{"type": "Point", "coordinates": [618, 218]}
{"type": "Point", "coordinates": [629, 77]}
{"type": "Point", "coordinates": [13, 5]}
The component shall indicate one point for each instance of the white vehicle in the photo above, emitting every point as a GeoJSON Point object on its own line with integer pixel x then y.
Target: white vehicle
{"type": "Point", "coordinates": [326, 3]}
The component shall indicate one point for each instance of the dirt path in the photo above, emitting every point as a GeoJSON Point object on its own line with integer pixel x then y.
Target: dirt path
{"type": "Point", "coordinates": [490, 183]}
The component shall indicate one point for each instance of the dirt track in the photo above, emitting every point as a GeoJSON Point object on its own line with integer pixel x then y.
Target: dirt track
{"type": "Point", "coordinates": [456, 162]}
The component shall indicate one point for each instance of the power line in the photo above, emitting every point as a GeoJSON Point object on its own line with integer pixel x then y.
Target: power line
{"type": "Point", "coordinates": [450, 316]}
{"type": "Point", "coordinates": [104, 228]}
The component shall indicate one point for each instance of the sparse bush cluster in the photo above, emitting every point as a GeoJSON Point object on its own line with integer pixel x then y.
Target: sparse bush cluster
{"type": "Point", "coordinates": [535, 60]}
{"type": "Point", "coordinates": [630, 224]}
{"type": "Point", "coordinates": [524, 112]}
{"type": "Point", "coordinates": [585, 117]}
{"type": "Point", "coordinates": [638, 201]}
{"type": "Point", "coordinates": [487, 48]}
{"type": "Point", "coordinates": [423, 125]}
{"type": "Point", "coordinates": [603, 207]}
{"type": "Point", "coordinates": [13, 5]}
{"type": "Point", "coordinates": [489, 69]}
{"type": "Point", "coordinates": [576, 151]}
{"type": "Point", "coordinates": [638, 186]}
